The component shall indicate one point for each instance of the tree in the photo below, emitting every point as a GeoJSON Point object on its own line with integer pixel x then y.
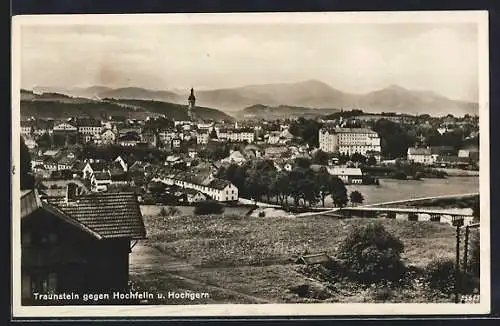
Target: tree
{"type": "Point", "coordinates": [395, 140]}
{"type": "Point", "coordinates": [281, 185]}
{"type": "Point", "coordinates": [302, 162]}
{"type": "Point", "coordinates": [356, 197]}
{"type": "Point", "coordinates": [371, 161]}
{"type": "Point", "coordinates": [27, 179]}
{"type": "Point", "coordinates": [307, 130]}
{"type": "Point", "coordinates": [44, 141]}
{"type": "Point", "coordinates": [359, 158]}
{"type": "Point", "coordinates": [320, 157]}
{"type": "Point", "coordinates": [338, 192]}
{"type": "Point", "coordinates": [324, 181]}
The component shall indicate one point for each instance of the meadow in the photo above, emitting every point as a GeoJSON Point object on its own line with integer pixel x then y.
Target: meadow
{"type": "Point", "coordinates": [242, 259]}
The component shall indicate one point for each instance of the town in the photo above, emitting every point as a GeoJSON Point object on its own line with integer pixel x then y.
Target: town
{"type": "Point", "coordinates": [200, 160]}
{"type": "Point", "coordinates": [107, 176]}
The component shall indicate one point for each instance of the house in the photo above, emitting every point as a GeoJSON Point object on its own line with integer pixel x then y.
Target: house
{"type": "Point", "coordinates": [194, 196]}
{"type": "Point", "coordinates": [421, 155]}
{"type": "Point", "coordinates": [65, 128]}
{"type": "Point", "coordinates": [172, 160]}
{"type": "Point", "coordinates": [100, 181]}
{"type": "Point", "coordinates": [149, 136]}
{"type": "Point", "coordinates": [130, 139]}
{"type": "Point", "coordinates": [88, 129]}
{"type": "Point", "coordinates": [192, 153]}
{"type": "Point", "coordinates": [234, 157]}
{"type": "Point", "coordinates": [273, 137]}
{"type": "Point", "coordinates": [51, 153]}
{"type": "Point", "coordinates": [51, 164]}
{"type": "Point", "coordinates": [107, 137]}
{"type": "Point", "coordinates": [29, 142]}
{"type": "Point", "coordinates": [347, 175]}
{"type": "Point", "coordinates": [27, 127]}
{"type": "Point", "coordinates": [66, 162]}
{"type": "Point", "coordinates": [222, 190]}
{"type": "Point", "coordinates": [202, 136]}
{"type": "Point", "coordinates": [121, 162]}
{"type": "Point", "coordinates": [176, 142]}
{"type": "Point", "coordinates": [236, 134]}
{"type": "Point", "coordinates": [203, 181]}
{"type": "Point", "coordinates": [275, 151]}
{"type": "Point", "coordinates": [42, 127]}
{"type": "Point", "coordinates": [119, 179]}
{"type": "Point", "coordinates": [449, 161]}
{"type": "Point", "coordinates": [471, 153]}
{"type": "Point", "coordinates": [77, 243]}
{"type": "Point", "coordinates": [92, 167]}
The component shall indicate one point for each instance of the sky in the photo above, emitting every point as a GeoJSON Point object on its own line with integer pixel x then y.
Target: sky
{"type": "Point", "coordinates": [352, 57]}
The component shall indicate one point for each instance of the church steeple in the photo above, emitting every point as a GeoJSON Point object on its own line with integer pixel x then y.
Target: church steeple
{"type": "Point", "coordinates": [191, 104]}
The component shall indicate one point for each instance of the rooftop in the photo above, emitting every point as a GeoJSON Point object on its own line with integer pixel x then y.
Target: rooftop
{"type": "Point", "coordinates": [110, 215]}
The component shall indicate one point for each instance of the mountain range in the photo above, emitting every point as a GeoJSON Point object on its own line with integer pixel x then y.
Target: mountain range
{"type": "Point", "coordinates": [311, 94]}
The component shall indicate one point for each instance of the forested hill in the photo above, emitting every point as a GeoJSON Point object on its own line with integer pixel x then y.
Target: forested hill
{"type": "Point", "coordinates": [59, 106]}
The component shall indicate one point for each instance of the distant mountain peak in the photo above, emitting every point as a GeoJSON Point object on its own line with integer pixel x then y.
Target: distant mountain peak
{"type": "Point", "coordinates": [396, 88]}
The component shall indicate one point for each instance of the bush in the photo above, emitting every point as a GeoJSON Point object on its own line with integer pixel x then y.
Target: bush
{"type": "Point", "coordinates": [372, 254]}
{"type": "Point", "coordinates": [398, 175]}
{"type": "Point", "coordinates": [207, 207]}
{"type": "Point", "coordinates": [311, 291]}
{"type": "Point", "coordinates": [382, 294]}
{"type": "Point", "coordinates": [440, 274]}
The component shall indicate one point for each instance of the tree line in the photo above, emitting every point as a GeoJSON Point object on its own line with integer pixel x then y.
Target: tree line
{"type": "Point", "coordinates": [301, 187]}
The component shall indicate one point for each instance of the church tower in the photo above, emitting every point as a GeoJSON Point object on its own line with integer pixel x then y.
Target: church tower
{"type": "Point", "coordinates": [191, 105]}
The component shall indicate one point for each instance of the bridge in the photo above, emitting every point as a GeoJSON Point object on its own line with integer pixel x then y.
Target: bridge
{"type": "Point", "coordinates": [415, 210]}
{"type": "Point", "coordinates": [422, 199]}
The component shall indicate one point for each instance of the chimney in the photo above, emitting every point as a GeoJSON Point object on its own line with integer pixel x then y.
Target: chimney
{"type": "Point", "coordinates": [72, 192]}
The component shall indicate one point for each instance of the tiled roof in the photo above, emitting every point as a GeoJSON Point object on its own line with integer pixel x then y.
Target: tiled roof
{"type": "Point", "coordinates": [219, 184]}
{"type": "Point", "coordinates": [98, 166]}
{"type": "Point", "coordinates": [102, 176]}
{"type": "Point", "coordinates": [419, 151]}
{"type": "Point", "coordinates": [111, 215]}
{"type": "Point", "coordinates": [30, 202]}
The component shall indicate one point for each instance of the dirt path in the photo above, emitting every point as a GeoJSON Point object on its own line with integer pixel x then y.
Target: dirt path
{"type": "Point", "coordinates": [149, 258]}
{"type": "Point", "coordinates": [144, 258]}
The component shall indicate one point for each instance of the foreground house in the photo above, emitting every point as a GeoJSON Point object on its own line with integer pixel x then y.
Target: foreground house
{"type": "Point", "coordinates": [77, 243]}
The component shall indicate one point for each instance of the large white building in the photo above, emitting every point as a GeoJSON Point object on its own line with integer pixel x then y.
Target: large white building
{"type": "Point", "coordinates": [236, 135]}
{"type": "Point", "coordinates": [349, 140]}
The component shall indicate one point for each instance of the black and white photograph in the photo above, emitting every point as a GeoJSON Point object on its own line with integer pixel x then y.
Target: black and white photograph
{"type": "Point", "coordinates": [251, 164]}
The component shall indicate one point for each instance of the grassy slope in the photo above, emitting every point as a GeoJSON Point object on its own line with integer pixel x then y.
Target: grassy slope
{"type": "Point", "coordinates": [251, 255]}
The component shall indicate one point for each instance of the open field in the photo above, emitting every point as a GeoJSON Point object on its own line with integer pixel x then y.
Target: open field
{"type": "Point", "coordinates": [241, 259]}
{"type": "Point", "coordinates": [152, 210]}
